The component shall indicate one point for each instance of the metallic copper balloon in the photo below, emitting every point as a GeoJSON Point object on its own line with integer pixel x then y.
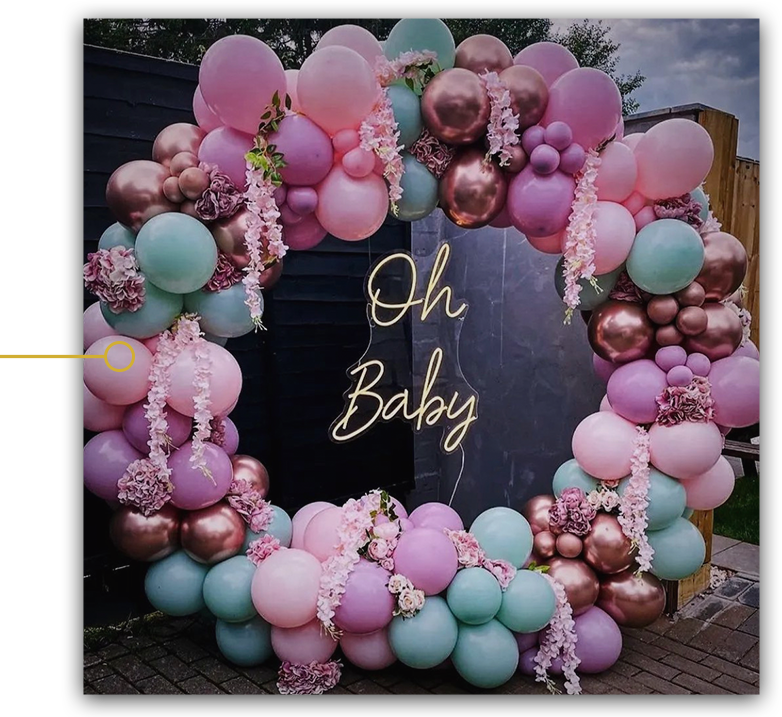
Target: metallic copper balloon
{"type": "Point", "coordinates": [188, 207]}
{"type": "Point", "coordinates": [193, 182]}
{"type": "Point", "coordinates": [606, 548]}
{"type": "Point", "coordinates": [724, 265]}
{"type": "Point", "coordinates": [668, 336]}
{"type": "Point", "coordinates": [632, 601]}
{"type": "Point", "coordinates": [483, 52]}
{"type": "Point", "coordinates": [145, 538]}
{"type": "Point", "coordinates": [620, 331]}
{"type": "Point", "coordinates": [455, 106]}
{"type": "Point", "coordinates": [528, 94]}
{"type": "Point", "coordinates": [176, 138]}
{"type": "Point", "coordinates": [229, 237]}
{"type": "Point", "coordinates": [172, 191]}
{"type": "Point", "coordinates": [472, 191]}
{"type": "Point", "coordinates": [579, 580]}
{"type": "Point", "coordinates": [544, 545]}
{"type": "Point", "coordinates": [535, 510]}
{"type": "Point", "coordinates": [134, 193]}
{"type": "Point", "coordinates": [212, 534]}
{"type": "Point", "coordinates": [692, 320]}
{"type": "Point", "coordinates": [691, 295]}
{"type": "Point", "coordinates": [518, 160]}
{"type": "Point", "coordinates": [569, 545]}
{"type": "Point", "coordinates": [662, 309]}
{"type": "Point", "coordinates": [181, 162]}
{"type": "Point", "coordinates": [250, 469]}
{"type": "Point", "coordinates": [722, 336]}
{"type": "Point", "coordinates": [271, 275]}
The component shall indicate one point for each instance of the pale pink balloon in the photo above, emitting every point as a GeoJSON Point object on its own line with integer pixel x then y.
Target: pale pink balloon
{"type": "Point", "coordinates": [206, 119]}
{"type": "Point", "coordinates": [320, 536]}
{"type": "Point", "coordinates": [354, 37]}
{"type": "Point", "coordinates": [368, 652]}
{"type": "Point", "coordinates": [605, 404]}
{"type": "Point", "coordinates": [358, 162]}
{"type": "Point", "coordinates": [617, 173]}
{"type": "Point", "coordinates": [292, 79]}
{"type": "Point", "coordinates": [226, 147]}
{"type": "Point", "coordinates": [120, 388]}
{"type": "Point", "coordinates": [549, 58]}
{"type": "Point", "coordinates": [302, 519]}
{"type": "Point", "coordinates": [673, 158]}
{"type": "Point", "coordinates": [548, 245]}
{"type": "Point", "coordinates": [614, 236]}
{"type": "Point", "coordinates": [351, 209]}
{"type": "Point", "coordinates": [712, 488]}
{"type": "Point", "coordinates": [304, 234]}
{"type": "Point", "coordinates": [95, 326]}
{"type": "Point", "coordinates": [634, 203]}
{"type": "Point", "coordinates": [304, 644]}
{"type": "Point", "coordinates": [152, 343]}
{"type": "Point", "coordinates": [99, 415]}
{"type": "Point", "coordinates": [685, 450]}
{"type": "Point", "coordinates": [285, 588]}
{"type": "Point", "coordinates": [643, 217]}
{"type": "Point", "coordinates": [632, 140]}
{"type": "Point", "coordinates": [345, 140]}
{"type": "Point", "coordinates": [603, 445]}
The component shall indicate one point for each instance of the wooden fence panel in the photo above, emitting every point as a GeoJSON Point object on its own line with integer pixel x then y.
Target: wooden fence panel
{"type": "Point", "coordinates": [745, 226]}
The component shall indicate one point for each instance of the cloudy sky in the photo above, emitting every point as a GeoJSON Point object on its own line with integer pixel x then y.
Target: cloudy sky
{"type": "Point", "coordinates": [714, 62]}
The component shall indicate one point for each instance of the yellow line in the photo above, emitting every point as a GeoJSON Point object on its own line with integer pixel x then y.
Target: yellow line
{"type": "Point", "coordinates": [104, 356]}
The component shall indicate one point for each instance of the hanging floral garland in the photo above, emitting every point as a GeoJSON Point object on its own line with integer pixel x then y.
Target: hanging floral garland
{"type": "Point", "coordinates": [635, 500]}
{"type": "Point", "coordinates": [502, 130]}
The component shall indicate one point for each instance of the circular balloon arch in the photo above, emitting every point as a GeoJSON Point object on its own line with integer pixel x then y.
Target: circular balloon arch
{"type": "Point", "coordinates": [280, 158]}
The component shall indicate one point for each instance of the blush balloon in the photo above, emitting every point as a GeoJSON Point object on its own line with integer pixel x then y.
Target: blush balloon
{"type": "Point", "coordinates": [291, 80]}
{"type": "Point", "coordinates": [302, 519]}
{"type": "Point", "coordinates": [320, 536]}
{"type": "Point", "coordinates": [548, 245]}
{"type": "Point", "coordinates": [120, 388]}
{"type": "Point", "coordinates": [207, 120]}
{"type": "Point", "coordinates": [540, 205]}
{"type": "Point", "coordinates": [368, 652]}
{"type": "Point", "coordinates": [685, 450]}
{"type": "Point", "coordinates": [614, 234]}
{"type": "Point", "coordinates": [94, 325]}
{"type": "Point", "coordinates": [356, 38]}
{"type": "Point", "coordinates": [436, 515]}
{"type": "Point", "coordinates": [307, 150]}
{"type": "Point", "coordinates": [551, 59]}
{"type": "Point", "coordinates": [302, 200]}
{"type": "Point", "coordinates": [712, 488]}
{"type": "Point", "coordinates": [99, 415]}
{"type": "Point", "coordinates": [351, 209]}
{"type": "Point", "coordinates": [304, 644]}
{"type": "Point", "coordinates": [617, 174]}
{"type": "Point", "coordinates": [644, 217]}
{"type": "Point", "coordinates": [358, 162]}
{"type": "Point", "coordinates": [285, 588]}
{"type": "Point", "coordinates": [603, 445]}
{"type": "Point", "coordinates": [225, 381]}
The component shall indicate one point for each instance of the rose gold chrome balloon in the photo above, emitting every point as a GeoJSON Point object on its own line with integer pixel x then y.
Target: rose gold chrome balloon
{"type": "Point", "coordinates": [535, 510]}
{"type": "Point", "coordinates": [544, 545]}
{"type": "Point", "coordinates": [569, 545]}
{"type": "Point", "coordinates": [193, 182]}
{"type": "Point", "coordinates": [271, 275]}
{"type": "Point", "coordinates": [632, 601]}
{"type": "Point", "coordinates": [145, 538]}
{"type": "Point", "coordinates": [606, 548]}
{"type": "Point", "coordinates": [518, 160]}
{"type": "Point", "coordinates": [692, 320]}
{"type": "Point", "coordinates": [212, 534]}
{"type": "Point", "coordinates": [134, 193]}
{"type": "Point", "coordinates": [181, 162]}
{"type": "Point", "coordinates": [579, 580]}
{"type": "Point", "coordinates": [172, 191]}
{"type": "Point", "coordinates": [722, 336]}
{"type": "Point", "coordinates": [176, 138]}
{"type": "Point", "coordinates": [483, 52]}
{"type": "Point", "coordinates": [724, 265]}
{"type": "Point", "coordinates": [229, 236]}
{"type": "Point", "coordinates": [691, 295]}
{"type": "Point", "coordinates": [251, 470]}
{"type": "Point", "coordinates": [668, 336]}
{"type": "Point", "coordinates": [620, 331]}
{"type": "Point", "coordinates": [662, 309]}
{"type": "Point", "coordinates": [528, 94]}
{"type": "Point", "coordinates": [455, 106]}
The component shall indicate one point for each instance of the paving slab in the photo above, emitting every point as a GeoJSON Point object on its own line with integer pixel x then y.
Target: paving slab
{"type": "Point", "coordinates": [740, 558]}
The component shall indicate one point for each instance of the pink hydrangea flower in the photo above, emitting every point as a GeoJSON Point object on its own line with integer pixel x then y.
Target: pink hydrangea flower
{"type": "Point", "coordinates": [468, 550]}
{"type": "Point", "coordinates": [502, 570]}
{"type": "Point", "coordinates": [225, 274]}
{"type": "Point", "coordinates": [113, 276]}
{"type": "Point", "coordinates": [692, 402]}
{"type": "Point", "coordinates": [220, 199]}
{"type": "Point", "coordinates": [143, 486]}
{"type": "Point", "coordinates": [257, 512]}
{"type": "Point", "coordinates": [314, 678]}
{"type": "Point", "coordinates": [260, 549]}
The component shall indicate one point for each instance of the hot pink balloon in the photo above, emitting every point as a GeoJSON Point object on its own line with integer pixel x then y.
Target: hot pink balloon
{"type": "Point", "coordinates": [614, 236]}
{"type": "Point", "coordinates": [633, 389]}
{"type": "Point", "coordinates": [603, 445]}
{"type": "Point", "coordinates": [351, 209]}
{"type": "Point", "coordinates": [437, 516]}
{"type": "Point", "coordinates": [712, 488]}
{"type": "Point", "coordinates": [304, 644]}
{"type": "Point", "coordinates": [120, 388]}
{"type": "Point", "coordinates": [548, 245]}
{"type": "Point", "coordinates": [302, 519]}
{"type": "Point", "coordinates": [551, 59]}
{"type": "Point", "coordinates": [239, 76]}
{"type": "Point", "coordinates": [644, 216]}
{"type": "Point", "coordinates": [303, 235]}
{"type": "Point", "coordinates": [358, 162]}
{"type": "Point", "coordinates": [735, 388]}
{"type": "Point", "coordinates": [354, 37]}
{"type": "Point", "coordinates": [540, 205]}
{"type": "Point", "coordinates": [192, 489]}
{"type": "Point", "coordinates": [589, 101]}
{"type": "Point", "coordinates": [617, 173]}
{"type": "Point", "coordinates": [748, 349]}
{"type": "Point", "coordinates": [336, 88]}
{"type": "Point", "coordinates": [106, 457]}
{"type": "Point", "coordinates": [366, 604]}
{"type": "Point", "coordinates": [99, 415]}
{"type": "Point", "coordinates": [136, 427]}
{"type": "Point", "coordinates": [226, 147]}
{"type": "Point", "coordinates": [320, 537]}
{"type": "Point", "coordinates": [368, 652]}
{"type": "Point", "coordinates": [95, 326]}
{"type": "Point", "coordinates": [307, 150]}
{"type": "Point", "coordinates": [428, 558]}
{"type": "Point", "coordinates": [685, 450]}
{"type": "Point", "coordinates": [302, 200]}
{"type": "Point", "coordinates": [673, 158]}
{"type": "Point", "coordinates": [207, 120]}
{"type": "Point", "coordinates": [292, 79]}
{"type": "Point", "coordinates": [634, 203]}
{"type": "Point", "coordinates": [632, 140]}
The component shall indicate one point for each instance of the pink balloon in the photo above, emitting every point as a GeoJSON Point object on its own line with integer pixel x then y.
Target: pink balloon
{"type": "Point", "coordinates": [614, 236]}
{"type": "Point", "coordinates": [358, 162]}
{"type": "Point", "coordinates": [152, 343]}
{"type": "Point", "coordinates": [320, 536]}
{"type": "Point", "coordinates": [548, 245]}
{"type": "Point", "coordinates": [540, 205]}
{"type": "Point", "coordinates": [502, 220]}
{"type": "Point", "coordinates": [302, 200]}
{"type": "Point", "coordinates": [206, 119]}
{"type": "Point", "coordinates": [673, 158]}
{"type": "Point", "coordinates": [634, 203]}
{"type": "Point", "coordinates": [368, 652]}
{"type": "Point", "coordinates": [106, 457]}
{"type": "Point", "coordinates": [288, 218]}
{"type": "Point", "coordinates": [589, 101]}
{"type": "Point", "coordinates": [602, 368]}
{"type": "Point", "coordinates": [437, 516]}
{"type": "Point", "coordinates": [99, 415]}
{"type": "Point", "coordinates": [551, 59]}
{"type": "Point", "coordinates": [643, 217]}
{"type": "Point", "coordinates": [354, 37]}
{"type": "Point", "coordinates": [619, 132]}
{"type": "Point", "coordinates": [225, 381]}
{"type": "Point", "coordinates": [304, 644]}
{"type": "Point", "coordinates": [617, 173]}
{"type": "Point", "coordinates": [136, 427]}
{"type": "Point", "coordinates": [351, 209]}
{"type": "Point", "coordinates": [192, 489]}
{"type": "Point", "coordinates": [748, 349]}
{"type": "Point", "coordinates": [632, 140]}
{"type": "Point", "coordinates": [603, 445]}
{"type": "Point", "coordinates": [735, 388]}
{"type": "Point", "coordinates": [306, 148]}
{"type": "Point", "coordinates": [305, 234]}
{"type": "Point", "coordinates": [95, 326]}
{"type": "Point", "coordinates": [685, 450]}
{"type": "Point", "coordinates": [336, 88]}
{"type": "Point", "coordinates": [291, 80]}
{"type": "Point", "coordinates": [231, 436]}
{"type": "Point", "coordinates": [120, 388]}
{"type": "Point", "coordinates": [345, 140]}
{"type": "Point", "coordinates": [427, 557]}
{"type": "Point", "coordinates": [226, 147]}
{"type": "Point", "coordinates": [605, 404]}
{"type": "Point", "coordinates": [238, 77]}
{"type": "Point", "coordinates": [712, 488]}
{"type": "Point", "coordinates": [366, 605]}
{"type": "Point", "coordinates": [633, 389]}
{"type": "Point", "coordinates": [302, 519]}
{"type": "Point", "coordinates": [285, 588]}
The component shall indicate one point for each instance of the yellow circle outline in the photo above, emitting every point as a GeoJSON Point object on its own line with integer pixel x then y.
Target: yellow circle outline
{"type": "Point", "coordinates": [105, 356]}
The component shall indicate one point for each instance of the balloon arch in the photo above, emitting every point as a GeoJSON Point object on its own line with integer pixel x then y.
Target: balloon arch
{"type": "Point", "coordinates": [278, 159]}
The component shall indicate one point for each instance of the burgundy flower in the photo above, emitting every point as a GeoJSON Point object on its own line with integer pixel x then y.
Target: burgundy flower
{"type": "Point", "coordinates": [218, 432]}
{"type": "Point", "coordinates": [220, 199]}
{"type": "Point", "coordinates": [312, 679]}
{"type": "Point", "coordinates": [693, 402]}
{"type": "Point", "coordinates": [225, 274]}
{"type": "Point", "coordinates": [113, 276]}
{"type": "Point", "coordinates": [625, 290]}
{"type": "Point", "coordinates": [432, 153]}
{"type": "Point", "coordinates": [571, 513]}
{"type": "Point", "coordinates": [684, 208]}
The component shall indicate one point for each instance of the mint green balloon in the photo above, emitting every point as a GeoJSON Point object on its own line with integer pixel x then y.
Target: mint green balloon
{"type": "Point", "coordinates": [407, 113]}
{"type": "Point", "coordinates": [174, 585]}
{"type": "Point", "coordinates": [528, 603]}
{"type": "Point", "coordinates": [427, 639]}
{"type": "Point", "coordinates": [176, 252]}
{"type": "Point", "coordinates": [679, 550]}
{"type": "Point", "coordinates": [687, 513]}
{"type": "Point", "coordinates": [246, 644]}
{"type": "Point", "coordinates": [572, 475]}
{"type": "Point", "coordinates": [700, 196]}
{"type": "Point", "coordinates": [504, 534]}
{"type": "Point", "coordinates": [486, 655]}
{"type": "Point", "coordinates": [422, 34]}
{"type": "Point", "coordinates": [474, 596]}
{"type": "Point", "coordinates": [219, 340]}
{"type": "Point", "coordinates": [223, 313]}
{"type": "Point", "coordinates": [667, 499]}
{"type": "Point", "coordinates": [588, 297]}
{"type": "Point", "coordinates": [666, 256]}
{"type": "Point", "coordinates": [158, 312]}
{"type": "Point", "coordinates": [227, 589]}
{"type": "Point", "coordinates": [117, 235]}
{"type": "Point", "coordinates": [419, 190]}
{"type": "Point", "coordinates": [281, 528]}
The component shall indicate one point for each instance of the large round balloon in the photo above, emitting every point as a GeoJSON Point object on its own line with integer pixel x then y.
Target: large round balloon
{"type": "Point", "coordinates": [351, 209]}
{"type": "Point", "coordinates": [134, 193]}
{"type": "Point", "coordinates": [724, 265]}
{"type": "Point", "coordinates": [419, 187]}
{"type": "Point", "coordinates": [539, 205]}
{"type": "Point", "coordinates": [620, 331]}
{"type": "Point", "coordinates": [722, 336]}
{"type": "Point", "coordinates": [174, 585]}
{"type": "Point", "coordinates": [136, 427]}
{"type": "Point", "coordinates": [117, 235]}
{"type": "Point", "coordinates": [536, 511]}
{"type": "Point", "coordinates": [106, 458]}
{"type": "Point", "coordinates": [355, 37]}
{"type": "Point", "coordinates": [474, 596]}
{"type": "Point", "coordinates": [685, 450]}
{"type": "Point", "coordinates": [192, 489]}
{"type": "Point", "coordinates": [225, 148]}
{"type": "Point", "coordinates": [579, 580]}
{"type": "Point", "coordinates": [176, 138]}
{"type": "Point", "coordinates": [633, 390]}
{"type": "Point", "coordinates": [528, 93]}
{"type": "Point", "coordinates": [606, 548]}
{"type": "Point", "coordinates": [368, 652]}
{"type": "Point", "coordinates": [603, 445]}
{"type": "Point", "coordinates": [407, 113]}
{"type": "Point", "coordinates": [456, 107]}
{"type": "Point", "coordinates": [99, 415]}
{"type": "Point", "coordinates": [481, 53]}
{"type": "Point", "coordinates": [307, 150]}
{"type": "Point", "coordinates": [735, 388]}
{"type": "Point", "coordinates": [94, 326]}
{"type": "Point", "coordinates": [426, 639]}
{"type": "Point", "coordinates": [280, 527]}
{"type": "Point", "coordinates": [205, 117]}
{"type": "Point", "coordinates": [486, 655]}
{"type": "Point", "coordinates": [614, 230]}
{"type": "Point", "coordinates": [302, 518]}
{"type": "Point", "coordinates": [223, 313]}
{"type": "Point", "coordinates": [679, 550]}
{"type": "Point", "coordinates": [589, 298]}
{"type": "Point", "coordinates": [212, 534]}
{"type": "Point", "coordinates": [145, 537]}
{"type": "Point", "coordinates": [551, 59]}
{"type": "Point", "coordinates": [155, 315]}
{"type": "Point", "coordinates": [366, 605]}
{"type": "Point", "coordinates": [711, 489]}
{"type": "Point", "coordinates": [428, 558]}
{"type": "Point", "coordinates": [304, 644]}
{"type": "Point", "coordinates": [617, 174]}
{"type": "Point", "coordinates": [419, 34]}
{"type": "Point", "coordinates": [632, 600]}
{"type": "Point", "coordinates": [528, 603]}
{"type": "Point", "coordinates": [436, 515]}
{"type": "Point", "coordinates": [227, 589]}
{"type": "Point", "coordinates": [504, 534]}
{"type": "Point", "coordinates": [599, 641]}
{"type": "Point", "coordinates": [572, 475]}
{"type": "Point", "coordinates": [321, 538]}
{"type": "Point", "coordinates": [246, 644]}
{"type": "Point", "coordinates": [666, 499]}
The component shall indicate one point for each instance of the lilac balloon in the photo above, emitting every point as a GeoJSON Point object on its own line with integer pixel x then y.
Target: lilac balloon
{"type": "Point", "coordinates": [281, 194]}
{"type": "Point", "coordinates": [669, 356]}
{"type": "Point", "coordinates": [136, 426]}
{"type": "Point", "coordinates": [406, 524]}
{"type": "Point", "coordinates": [527, 663]}
{"type": "Point", "coordinates": [539, 206]}
{"type": "Point", "coordinates": [302, 200]}
{"type": "Point", "coordinates": [735, 388]}
{"type": "Point", "coordinates": [559, 135]}
{"type": "Point", "coordinates": [699, 364]}
{"type": "Point", "coordinates": [549, 58]}
{"type": "Point", "coordinates": [307, 150]}
{"type": "Point", "coordinates": [572, 159]}
{"type": "Point", "coordinates": [532, 137]}
{"type": "Point", "coordinates": [748, 349]}
{"type": "Point", "coordinates": [437, 516]}
{"type": "Point", "coordinates": [602, 368]}
{"type": "Point", "coordinates": [230, 437]}
{"type": "Point", "coordinates": [192, 489]}
{"type": "Point", "coordinates": [366, 605]}
{"type": "Point", "coordinates": [428, 558]}
{"type": "Point", "coordinates": [544, 159]}
{"type": "Point", "coordinates": [106, 456]}
{"type": "Point", "coordinates": [679, 376]}
{"type": "Point", "coordinates": [633, 389]}
{"type": "Point", "coordinates": [226, 148]}
{"type": "Point", "coordinates": [306, 234]}
{"type": "Point", "coordinates": [599, 640]}
{"type": "Point", "coordinates": [526, 640]}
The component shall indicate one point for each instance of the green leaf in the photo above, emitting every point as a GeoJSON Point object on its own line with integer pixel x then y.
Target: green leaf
{"type": "Point", "coordinates": [288, 101]}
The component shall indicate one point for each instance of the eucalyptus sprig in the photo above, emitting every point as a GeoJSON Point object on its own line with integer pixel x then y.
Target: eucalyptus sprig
{"type": "Point", "coordinates": [423, 71]}
{"type": "Point", "coordinates": [264, 156]}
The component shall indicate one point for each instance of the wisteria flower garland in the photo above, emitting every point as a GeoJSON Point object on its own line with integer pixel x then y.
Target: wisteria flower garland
{"type": "Point", "coordinates": [409, 601]}
{"type": "Point", "coordinates": [580, 235]}
{"type": "Point", "coordinates": [260, 549]}
{"type": "Point", "coordinates": [113, 276]}
{"type": "Point", "coordinates": [416, 68]}
{"type": "Point", "coordinates": [470, 554]}
{"type": "Point", "coordinates": [201, 402]}
{"type": "Point", "coordinates": [692, 402]}
{"type": "Point", "coordinates": [312, 679]}
{"type": "Point", "coordinates": [635, 500]}
{"type": "Point", "coordinates": [503, 122]}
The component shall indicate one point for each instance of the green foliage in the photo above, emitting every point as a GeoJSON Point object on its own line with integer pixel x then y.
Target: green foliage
{"type": "Point", "coordinates": [739, 517]}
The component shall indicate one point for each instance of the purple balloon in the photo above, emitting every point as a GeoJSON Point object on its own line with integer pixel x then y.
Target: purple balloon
{"type": "Point", "coordinates": [406, 524]}
{"type": "Point", "coordinates": [428, 558]}
{"type": "Point", "coordinates": [527, 661]}
{"type": "Point", "coordinates": [526, 640]}
{"type": "Point", "coordinates": [288, 217]}
{"type": "Point", "coordinates": [633, 389]}
{"type": "Point", "coordinates": [532, 137]}
{"type": "Point", "coordinates": [136, 427]}
{"type": "Point", "coordinates": [735, 388]}
{"type": "Point", "coordinates": [748, 349]}
{"type": "Point", "coordinates": [699, 364]}
{"type": "Point", "coordinates": [437, 516]}
{"type": "Point", "coordinates": [559, 135]}
{"type": "Point", "coordinates": [602, 368]}
{"type": "Point", "coordinates": [599, 640]}
{"type": "Point", "coordinates": [280, 195]}
{"type": "Point", "coordinates": [226, 148]}
{"type": "Point", "coordinates": [231, 437]}
{"type": "Point", "coordinates": [366, 605]}
{"type": "Point", "coordinates": [192, 489]}
{"type": "Point", "coordinates": [679, 376]}
{"type": "Point", "coordinates": [106, 456]}
{"type": "Point", "coordinates": [544, 159]}
{"type": "Point", "coordinates": [307, 150]}
{"type": "Point", "coordinates": [572, 159]}
{"type": "Point", "coordinates": [302, 200]}
{"type": "Point", "coordinates": [669, 356]}
{"type": "Point", "coordinates": [539, 206]}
